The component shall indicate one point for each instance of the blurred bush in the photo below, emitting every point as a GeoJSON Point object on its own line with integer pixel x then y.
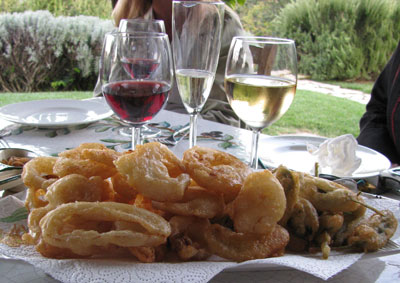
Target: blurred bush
{"type": "Point", "coordinates": [41, 52]}
{"type": "Point", "coordinates": [341, 39]}
{"type": "Point", "coordinates": [98, 8]}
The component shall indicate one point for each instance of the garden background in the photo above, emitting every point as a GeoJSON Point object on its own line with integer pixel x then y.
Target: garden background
{"type": "Point", "coordinates": [52, 47]}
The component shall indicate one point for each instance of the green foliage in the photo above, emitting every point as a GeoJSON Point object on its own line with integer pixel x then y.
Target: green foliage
{"type": "Point", "coordinates": [257, 16]}
{"type": "Point", "coordinates": [37, 49]}
{"type": "Point", "coordinates": [233, 3]}
{"type": "Point", "coordinates": [98, 8]}
{"type": "Point", "coordinates": [341, 39]}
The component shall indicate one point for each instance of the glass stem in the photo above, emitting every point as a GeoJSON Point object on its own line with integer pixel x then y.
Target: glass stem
{"type": "Point", "coordinates": [254, 149]}
{"type": "Point", "coordinates": [136, 136]}
{"type": "Point", "coordinates": [193, 130]}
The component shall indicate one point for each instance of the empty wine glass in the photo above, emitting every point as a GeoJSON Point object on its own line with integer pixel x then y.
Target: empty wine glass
{"type": "Point", "coordinates": [196, 42]}
{"type": "Point", "coordinates": [141, 25]}
{"type": "Point", "coordinates": [260, 82]}
{"type": "Point", "coordinates": [135, 91]}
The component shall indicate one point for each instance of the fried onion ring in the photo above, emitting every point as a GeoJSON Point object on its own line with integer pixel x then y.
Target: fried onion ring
{"type": "Point", "coordinates": [261, 203]}
{"type": "Point", "coordinates": [195, 202]}
{"type": "Point", "coordinates": [228, 244]}
{"type": "Point", "coordinates": [35, 176]}
{"type": "Point", "coordinates": [82, 226]}
{"type": "Point", "coordinates": [123, 191]}
{"type": "Point", "coordinates": [215, 170]}
{"type": "Point", "coordinates": [33, 172]}
{"type": "Point", "coordinates": [86, 167]}
{"type": "Point", "coordinates": [76, 153]}
{"type": "Point", "coordinates": [75, 187]}
{"type": "Point", "coordinates": [155, 172]}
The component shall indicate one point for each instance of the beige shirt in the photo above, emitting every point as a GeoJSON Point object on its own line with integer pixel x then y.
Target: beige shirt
{"type": "Point", "coordinates": [216, 107]}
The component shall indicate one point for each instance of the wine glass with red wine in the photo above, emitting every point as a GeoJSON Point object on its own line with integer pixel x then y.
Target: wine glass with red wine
{"type": "Point", "coordinates": [137, 76]}
{"type": "Point", "coordinates": [141, 25]}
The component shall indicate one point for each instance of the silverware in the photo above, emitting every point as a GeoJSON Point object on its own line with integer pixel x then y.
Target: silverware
{"type": "Point", "coordinates": [3, 142]}
{"type": "Point", "coordinates": [175, 137]}
{"type": "Point", "coordinates": [10, 176]}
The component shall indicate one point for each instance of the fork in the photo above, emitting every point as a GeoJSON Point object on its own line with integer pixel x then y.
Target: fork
{"type": "Point", "coordinates": [175, 137]}
{"type": "Point", "coordinates": [3, 142]}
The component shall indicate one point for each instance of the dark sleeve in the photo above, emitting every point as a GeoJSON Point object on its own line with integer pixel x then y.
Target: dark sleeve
{"type": "Point", "coordinates": [374, 131]}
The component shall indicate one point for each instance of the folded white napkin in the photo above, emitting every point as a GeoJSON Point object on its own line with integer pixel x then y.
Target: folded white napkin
{"type": "Point", "coordinates": [337, 156]}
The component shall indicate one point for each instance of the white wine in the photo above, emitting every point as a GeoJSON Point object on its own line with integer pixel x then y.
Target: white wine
{"type": "Point", "coordinates": [259, 100]}
{"type": "Point", "coordinates": [194, 87]}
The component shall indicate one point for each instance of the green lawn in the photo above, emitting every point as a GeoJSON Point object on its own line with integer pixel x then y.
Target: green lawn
{"type": "Point", "coordinates": [365, 87]}
{"type": "Point", "coordinates": [319, 114]}
{"type": "Point", "coordinates": [8, 98]}
{"type": "Point", "coordinates": [311, 112]}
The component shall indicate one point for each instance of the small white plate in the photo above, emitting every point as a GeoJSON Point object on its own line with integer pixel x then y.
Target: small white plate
{"type": "Point", "coordinates": [291, 151]}
{"type": "Point", "coordinates": [56, 113]}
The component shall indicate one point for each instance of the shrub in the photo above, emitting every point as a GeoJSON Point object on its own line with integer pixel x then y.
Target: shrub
{"type": "Point", "coordinates": [98, 8]}
{"type": "Point", "coordinates": [341, 39]}
{"type": "Point", "coordinates": [257, 16]}
{"type": "Point", "coordinates": [38, 49]}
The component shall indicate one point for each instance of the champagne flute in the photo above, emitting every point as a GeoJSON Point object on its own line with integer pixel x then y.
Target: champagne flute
{"type": "Point", "coordinates": [260, 82]}
{"type": "Point", "coordinates": [196, 42]}
{"type": "Point", "coordinates": [141, 25]}
{"type": "Point", "coordinates": [136, 99]}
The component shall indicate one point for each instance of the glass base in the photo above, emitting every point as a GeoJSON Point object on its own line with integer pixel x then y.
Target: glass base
{"type": "Point", "coordinates": [147, 131]}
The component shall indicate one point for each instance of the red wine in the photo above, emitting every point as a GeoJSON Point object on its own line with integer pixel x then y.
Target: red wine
{"type": "Point", "coordinates": [136, 101]}
{"type": "Point", "coordinates": [139, 68]}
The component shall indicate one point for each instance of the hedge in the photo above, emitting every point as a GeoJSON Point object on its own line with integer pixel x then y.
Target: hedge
{"type": "Point", "coordinates": [41, 52]}
{"type": "Point", "coordinates": [341, 39]}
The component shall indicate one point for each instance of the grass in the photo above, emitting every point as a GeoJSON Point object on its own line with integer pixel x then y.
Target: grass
{"type": "Point", "coordinates": [365, 87]}
{"type": "Point", "coordinates": [310, 112]}
{"type": "Point", "coordinates": [8, 98]}
{"type": "Point", "coordinates": [319, 114]}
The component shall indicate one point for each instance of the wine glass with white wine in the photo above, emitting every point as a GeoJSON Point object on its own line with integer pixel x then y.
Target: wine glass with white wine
{"type": "Point", "coordinates": [196, 42]}
{"type": "Point", "coordinates": [260, 82]}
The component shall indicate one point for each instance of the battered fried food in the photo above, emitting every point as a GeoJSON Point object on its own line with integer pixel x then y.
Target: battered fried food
{"type": "Point", "coordinates": [73, 188]}
{"type": "Point", "coordinates": [259, 205]}
{"type": "Point", "coordinates": [215, 170]}
{"type": "Point", "coordinates": [35, 176]}
{"type": "Point", "coordinates": [93, 201]}
{"type": "Point", "coordinates": [148, 254]}
{"type": "Point", "coordinates": [123, 191]}
{"type": "Point", "coordinates": [374, 233]}
{"type": "Point", "coordinates": [183, 245]}
{"type": "Point", "coordinates": [326, 195]}
{"type": "Point", "coordinates": [228, 244]}
{"type": "Point", "coordinates": [195, 202]}
{"type": "Point", "coordinates": [86, 167]}
{"type": "Point", "coordinates": [81, 227]}
{"type": "Point", "coordinates": [290, 182]}
{"type": "Point", "coordinates": [155, 172]}
{"type": "Point", "coordinates": [303, 221]}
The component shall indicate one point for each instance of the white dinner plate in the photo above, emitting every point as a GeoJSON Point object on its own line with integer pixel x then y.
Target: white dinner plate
{"type": "Point", "coordinates": [291, 151]}
{"type": "Point", "coordinates": [56, 113]}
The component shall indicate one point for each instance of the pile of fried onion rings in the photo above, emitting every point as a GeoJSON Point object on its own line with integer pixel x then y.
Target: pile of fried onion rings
{"type": "Point", "coordinates": [149, 204]}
